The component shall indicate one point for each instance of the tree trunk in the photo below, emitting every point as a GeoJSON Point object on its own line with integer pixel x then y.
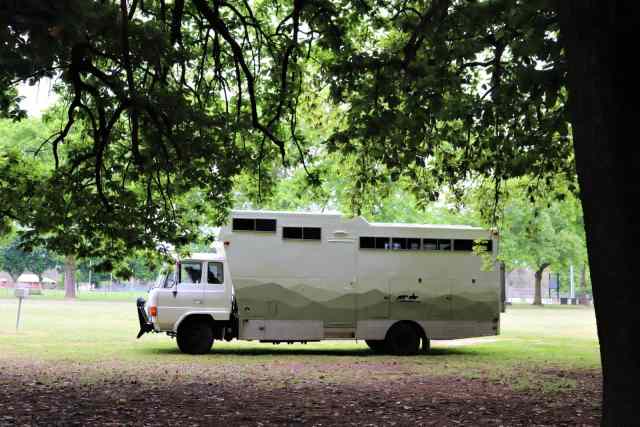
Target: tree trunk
{"type": "Point", "coordinates": [70, 276]}
{"type": "Point", "coordinates": [600, 39]}
{"type": "Point", "coordinates": [537, 296]}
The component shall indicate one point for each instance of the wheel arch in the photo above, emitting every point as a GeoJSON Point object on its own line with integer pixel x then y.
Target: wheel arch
{"type": "Point", "coordinates": [207, 317]}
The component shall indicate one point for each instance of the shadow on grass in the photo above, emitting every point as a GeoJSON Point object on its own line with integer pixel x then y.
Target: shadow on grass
{"type": "Point", "coordinates": [282, 350]}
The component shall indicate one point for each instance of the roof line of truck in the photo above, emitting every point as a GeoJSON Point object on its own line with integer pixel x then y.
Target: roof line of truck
{"type": "Point", "coordinates": [335, 214]}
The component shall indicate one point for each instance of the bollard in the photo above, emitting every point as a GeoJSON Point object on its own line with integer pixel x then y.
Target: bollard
{"type": "Point", "coordinates": [20, 293]}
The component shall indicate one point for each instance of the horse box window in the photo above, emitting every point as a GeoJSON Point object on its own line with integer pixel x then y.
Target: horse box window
{"type": "Point", "coordinates": [389, 243]}
{"type": "Point", "coordinates": [436, 244]}
{"type": "Point", "coordinates": [244, 224]}
{"type": "Point", "coordinates": [367, 242]}
{"type": "Point", "coordinates": [311, 233]}
{"type": "Point", "coordinates": [463, 245]}
{"type": "Point", "coordinates": [413, 244]}
{"type": "Point", "coordinates": [266, 225]}
{"type": "Point", "coordinates": [254, 224]}
{"type": "Point", "coordinates": [302, 233]}
{"type": "Point", "coordinates": [398, 243]}
{"type": "Point", "coordinates": [382, 243]}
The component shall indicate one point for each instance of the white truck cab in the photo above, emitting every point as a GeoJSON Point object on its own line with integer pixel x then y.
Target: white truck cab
{"type": "Point", "coordinates": [298, 277]}
{"type": "Point", "coordinates": [198, 289]}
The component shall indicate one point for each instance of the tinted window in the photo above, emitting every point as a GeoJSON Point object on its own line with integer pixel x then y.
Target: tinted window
{"type": "Point", "coordinates": [266, 225]}
{"type": "Point", "coordinates": [413, 244]}
{"type": "Point", "coordinates": [190, 272]}
{"type": "Point", "coordinates": [306, 233]}
{"type": "Point", "coordinates": [430, 244]}
{"type": "Point", "coordinates": [463, 245]}
{"type": "Point", "coordinates": [215, 273]}
{"type": "Point", "coordinates": [436, 244]}
{"type": "Point", "coordinates": [244, 224]}
{"type": "Point", "coordinates": [444, 244]}
{"type": "Point", "coordinates": [254, 224]}
{"type": "Point", "coordinates": [312, 233]}
{"type": "Point", "coordinates": [382, 243]}
{"type": "Point", "coordinates": [398, 243]}
{"type": "Point", "coordinates": [367, 243]}
{"type": "Point", "coordinates": [292, 232]}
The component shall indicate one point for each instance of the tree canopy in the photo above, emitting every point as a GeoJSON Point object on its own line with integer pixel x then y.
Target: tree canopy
{"type": "Point", "coordinates": [166, 99]}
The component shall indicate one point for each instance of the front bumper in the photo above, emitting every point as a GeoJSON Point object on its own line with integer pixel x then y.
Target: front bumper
{"type": "Point", "coordinates": [145, 323]}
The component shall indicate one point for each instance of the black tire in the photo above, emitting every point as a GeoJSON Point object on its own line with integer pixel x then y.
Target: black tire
{"type": "Point", "coordinates": [402, 340]}
{"type": "Point", "coordinates": [195, 337]}
{"type": "Point", "coordinates": [426, 345]}
{"type": "Point", "coordinates": [376, 345]}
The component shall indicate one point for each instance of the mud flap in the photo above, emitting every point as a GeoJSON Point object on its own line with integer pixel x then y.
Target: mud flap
{"type": "Point", "coordinates": [145, 325]}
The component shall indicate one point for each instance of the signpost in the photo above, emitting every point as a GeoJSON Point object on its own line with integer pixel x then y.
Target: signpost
{"type": "Point", "coordinates": [20, 293]}
{"type": "Point", "coordinates": [572, 284]}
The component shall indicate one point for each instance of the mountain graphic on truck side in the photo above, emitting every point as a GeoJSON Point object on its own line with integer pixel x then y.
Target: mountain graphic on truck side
{"type": "Point", "coordinates": [279, 302]}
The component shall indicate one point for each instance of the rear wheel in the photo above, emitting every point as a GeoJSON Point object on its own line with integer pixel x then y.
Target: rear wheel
{"type": "Point", "coordinates": [195, 337]}
{"type": "Point", "coordinates": [376, 345]}
{"type": "Point", "coordinates": [402, 339]}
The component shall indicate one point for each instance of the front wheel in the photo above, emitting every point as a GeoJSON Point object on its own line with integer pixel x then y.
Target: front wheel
{"type": "Point", "coordinates": [195, 337]}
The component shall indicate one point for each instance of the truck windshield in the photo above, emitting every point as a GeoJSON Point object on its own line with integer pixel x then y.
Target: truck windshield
{"type": "Point", "coordinates": [162, 276]}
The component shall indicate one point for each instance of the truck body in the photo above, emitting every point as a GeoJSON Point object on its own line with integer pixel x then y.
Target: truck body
{"type": "Point", "coordinates": [286, 277]}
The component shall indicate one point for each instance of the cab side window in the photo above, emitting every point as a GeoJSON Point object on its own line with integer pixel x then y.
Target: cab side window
{"type": "Point", "coordinates": [190, 272]}
{"type": "Point", "coordinates": [215, 273]}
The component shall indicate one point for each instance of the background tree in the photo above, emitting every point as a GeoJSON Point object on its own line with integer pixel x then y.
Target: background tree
{"type": "Point", "coordinates": [16, 261]}
{"type": "Point", "coordinates": [540, 235]}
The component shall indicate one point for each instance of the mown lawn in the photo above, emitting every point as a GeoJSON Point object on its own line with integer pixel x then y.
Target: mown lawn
{"type": "Point", "coordinates": [551, 337]}
{"type": "Point", "coordinates": [58, 295]}
{"type": "Point", "coordinates": [87, 350]}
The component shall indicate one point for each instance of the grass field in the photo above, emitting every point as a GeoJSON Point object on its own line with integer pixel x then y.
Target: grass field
{"type": "Point", "coordinates": [544, 356]}
{"type": "Point", "coordinates": [58, 295]}
{"type": "Point", "coordinates": [93, 331]}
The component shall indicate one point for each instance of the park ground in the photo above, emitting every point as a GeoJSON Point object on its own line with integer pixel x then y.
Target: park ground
{"type": "Point", "coordinates": [78, 363]}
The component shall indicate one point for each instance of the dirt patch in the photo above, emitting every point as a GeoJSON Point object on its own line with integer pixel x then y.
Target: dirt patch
{"type": "Point", "coordinates": [36, 393]}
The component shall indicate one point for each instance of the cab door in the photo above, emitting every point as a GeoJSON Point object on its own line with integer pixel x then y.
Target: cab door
{"type": "Point", "coordinates": [216, 298]}
{"type": "Point", "coordinates": [186, 295]}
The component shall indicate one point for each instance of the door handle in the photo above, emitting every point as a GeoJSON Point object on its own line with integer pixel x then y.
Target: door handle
{"type": "Point", "coordinates": [448, 297]}
{"type": "Point", "coordinates": [197, 301]}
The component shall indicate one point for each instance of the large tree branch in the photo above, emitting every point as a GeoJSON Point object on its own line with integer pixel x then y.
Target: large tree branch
{"type": "Point", "coordinates": [436, 12]}
{"type": "Point", "coordinates": [133, 112]}
{"type": "Point", "coordinates": [297, 8]}
{"type": "Point", "coordinates": [220, 27]}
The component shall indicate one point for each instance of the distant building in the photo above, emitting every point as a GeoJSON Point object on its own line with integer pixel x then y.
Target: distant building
{"type": "Point", "coordinates": [29, 281]}
{"type": "Point", "coordinates": [6, 281]}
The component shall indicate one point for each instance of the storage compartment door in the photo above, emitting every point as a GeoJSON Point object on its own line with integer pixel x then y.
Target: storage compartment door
{"type": "Point", "coordinates": [339, 313]}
